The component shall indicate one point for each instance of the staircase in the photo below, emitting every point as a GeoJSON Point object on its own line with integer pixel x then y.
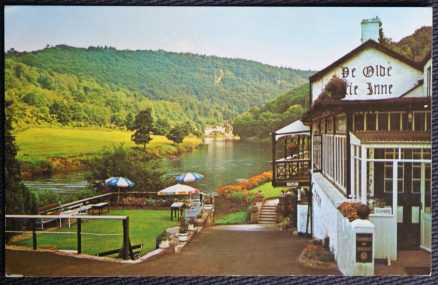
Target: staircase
{"type": "Point", "coordinates": [268, 212]}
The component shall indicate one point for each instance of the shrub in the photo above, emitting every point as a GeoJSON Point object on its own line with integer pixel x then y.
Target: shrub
{"type": "Point", "coordinates": [349, 210]}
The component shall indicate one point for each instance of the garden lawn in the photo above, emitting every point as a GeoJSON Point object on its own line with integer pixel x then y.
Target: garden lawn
{"type": "Point", "coordinates": [268, 190]}
{"type": "Point", "coordinates": [41, 143]}
{"type": "Point", "coordinates": [144, 226]}
{"type": "Point", "coordinates": [233, 219]}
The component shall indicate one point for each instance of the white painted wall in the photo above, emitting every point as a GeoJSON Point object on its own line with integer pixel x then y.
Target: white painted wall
{"type": "Point", "coordinates": [426, 66]}
{"type": "Point", "coordinates": [386, 236]}
{"type": "Point", "coordinates": [325, 210]}
{"type": "Point", "coordinates": [403, 77]}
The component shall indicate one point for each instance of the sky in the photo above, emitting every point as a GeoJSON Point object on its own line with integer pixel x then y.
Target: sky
{"type": "Point", "coordinates": [296, 37]}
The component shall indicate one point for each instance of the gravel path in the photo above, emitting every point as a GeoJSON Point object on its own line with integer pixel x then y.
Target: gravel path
{"type": "Point", "coordinates": [213, 251]}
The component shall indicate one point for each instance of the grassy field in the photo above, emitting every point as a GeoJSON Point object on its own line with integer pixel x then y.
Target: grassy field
{"type": "Point", "coordinates": [236, 218]}
{"type": "Point", "coordinates": [144, 226]}
{"type": "Point", "coordinates": [41, 143]}
{"type": "Point", "coordinates": [269, 191]}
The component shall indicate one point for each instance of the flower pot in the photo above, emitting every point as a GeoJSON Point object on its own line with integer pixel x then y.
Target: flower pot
{"type": "Point", "coordinates": [164, 243]}
{"type": "Point", "coordinates": [183, 237]}
{"type": "Point", "coordinates": [191, 227]}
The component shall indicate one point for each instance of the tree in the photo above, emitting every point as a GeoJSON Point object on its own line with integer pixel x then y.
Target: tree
{"type": "Point", "coordinates": [177, 134]}
{"type": "Point", "coordinates": [18, 199]}
{"type": "Point", "coordinates": [143, 126]}
{"type": "Point", "coordinates": [140, 167]}
{"type": "Point", "coordinates": [162, 127]}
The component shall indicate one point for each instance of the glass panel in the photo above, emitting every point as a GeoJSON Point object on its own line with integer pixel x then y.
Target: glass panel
{"type": "Point", "coordinates": [383, 121]}
{"type": "Point", "coordinates": [406, 123]}
{"type": "Point", "coordinates": [329, 125]}
{"type": "Point", "coordinates": [419, 121]}
{"type": "Point", "coordinates": [341, 126]}
{"type": "Point", "coordinates": [426, 153]}
{"type": "Point", "coordinates": [358, 122]}
{"type": "Point", "coordinates": [428, 121]}
{"type": "Point", "coordinates": [371, 121]}
{"type": "Point", "coordinates": [395, 121]}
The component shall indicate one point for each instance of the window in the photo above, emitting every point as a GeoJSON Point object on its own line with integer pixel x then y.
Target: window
{"type": "Point", "coordinates": [358, 122]}
{"type": "Point", "coordinates": [406, 122]}
{"type": "Point", "coordinates": [334, 159]}
{"type": "Point", "coordinates": [371, 121]}
{"type": "Point", "coordinates": [416, 177]}
{"type": "Point", "coordinates": [428, 121]}
{"type": "Point", "coordinates": [419, 121]}
{"type": "Point", "coordinates": [394, 121]}
{"type": "Point", "coordinates": [322, 126]}
{"type": "Point", "coordinates": [315, 127]}
{"type": "Point", "coordinates": [383, 121]}
{"type": "Point", "coordinates": [341, 125]}
{"type": "Point", "coordinates": [429, 85]}
{"type": "Point", "coordinates": [392, 154]}
{"type": "Point", "coordinates": [330, 125]}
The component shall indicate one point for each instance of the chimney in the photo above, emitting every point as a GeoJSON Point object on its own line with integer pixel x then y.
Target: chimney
{"type": "Point", "coordinates": [371, 29]}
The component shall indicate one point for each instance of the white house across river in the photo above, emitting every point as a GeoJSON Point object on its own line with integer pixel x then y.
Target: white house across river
{"type": "Point", "coordinates": [369, 144]}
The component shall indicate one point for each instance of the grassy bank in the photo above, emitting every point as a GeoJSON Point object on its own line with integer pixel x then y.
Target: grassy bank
{"type": "Point", "coordinates": [51, 149]}
{"type": "Point", "coordinates": [144, 226]}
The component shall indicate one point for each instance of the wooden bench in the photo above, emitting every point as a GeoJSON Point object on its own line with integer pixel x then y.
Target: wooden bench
{"type": "Point", "coordinates": [100, 207]}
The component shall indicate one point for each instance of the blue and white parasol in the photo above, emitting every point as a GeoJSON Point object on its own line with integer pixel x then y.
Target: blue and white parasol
{"type": "Point", "coordinates": [119, 182]}
{"type": "Point", "coordinates": [189, 177]}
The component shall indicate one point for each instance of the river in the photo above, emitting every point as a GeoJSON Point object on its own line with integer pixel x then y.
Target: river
{"type": "Point", "coordinates": [221, 162]}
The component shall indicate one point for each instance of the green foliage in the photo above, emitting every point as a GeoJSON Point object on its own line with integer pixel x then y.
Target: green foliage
{"type": "Point", "coordinates": [286, 109]}
{"type": "Point", "coordinates": [177, 133]}
{"type": "Point", "coordinates": [415, 46]}
{"type": "Point", "coordinates": [137, 165]}
{"type": "Point", "coordinates": [18, 199]}
{"type": "Point", "coordinates": [233, 219]}
{"type": "Point", "coordinates": [143, 126]}
{"type": "Point", "coordinates": [47, 197]}
{"type": "Point", "coordinates": [98, 86]}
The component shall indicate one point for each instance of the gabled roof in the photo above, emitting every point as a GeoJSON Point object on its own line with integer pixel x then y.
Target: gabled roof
{"type": "Point", "coordinates": [365, 45]}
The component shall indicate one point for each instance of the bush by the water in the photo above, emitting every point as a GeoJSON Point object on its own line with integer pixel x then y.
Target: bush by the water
{"type": "Point", "coordinates": [49, 197]}
{"type": "Point", "coordinates": [140, 167]}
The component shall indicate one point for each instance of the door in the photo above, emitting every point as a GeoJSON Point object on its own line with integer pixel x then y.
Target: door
{"type": "Point", "coordinates": [409, 201]}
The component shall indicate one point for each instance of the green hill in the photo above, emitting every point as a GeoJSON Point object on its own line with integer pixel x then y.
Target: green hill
{"type": "Point", "coordinates": [104, 86]}
{"type": "Point", "coordinates": [286, 109]}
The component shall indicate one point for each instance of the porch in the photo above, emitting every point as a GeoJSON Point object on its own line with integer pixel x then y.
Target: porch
{"type": "Point", "coordinates": [291, 155]}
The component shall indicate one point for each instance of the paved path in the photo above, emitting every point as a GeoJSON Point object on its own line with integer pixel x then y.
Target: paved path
{"type": "Point", "coordinates": [213, 251]}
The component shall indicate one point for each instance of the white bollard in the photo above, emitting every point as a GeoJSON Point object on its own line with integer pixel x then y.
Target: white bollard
{"type": "Point", "coordinates": [364, 232]}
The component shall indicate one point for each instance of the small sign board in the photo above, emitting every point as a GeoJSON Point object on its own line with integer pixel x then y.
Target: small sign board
{"type": "Point", "coordinates": [292, 184]}
{"type": "Point", "coordinates": [364, 248]}
{"type": "Point", "coordinates": [383, 211]}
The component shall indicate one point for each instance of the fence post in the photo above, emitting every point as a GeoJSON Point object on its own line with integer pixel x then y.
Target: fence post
{"type": "Point", "coordinates": [125, 249]}
{"type": "Point", "coordinates": [34, 236]}
{"type": "Point", "coordinates": [79, 236]}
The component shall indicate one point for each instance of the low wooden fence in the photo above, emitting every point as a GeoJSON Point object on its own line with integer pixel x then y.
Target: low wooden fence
{"type": "Point", "coordinates": [126, 250]}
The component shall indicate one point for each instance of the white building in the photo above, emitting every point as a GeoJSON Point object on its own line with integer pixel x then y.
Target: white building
{"type": "Point", "coordinates": [370, 144]}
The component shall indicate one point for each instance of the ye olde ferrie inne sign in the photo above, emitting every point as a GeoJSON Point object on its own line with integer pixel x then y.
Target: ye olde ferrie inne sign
{"type": "Point", "coordinates": [369, 73]}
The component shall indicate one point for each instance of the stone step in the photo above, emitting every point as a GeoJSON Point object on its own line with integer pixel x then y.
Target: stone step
{"type": "Point", "coordinates": [262, 222]}
{"type": "Point", "coordinates": [267, 217]}
{"type": "Point", "coordinates": [267, 206]}
{"type": "Point", "coordinates": [267, 211]}
{"type": "Point", "coordinates": [267, 220]}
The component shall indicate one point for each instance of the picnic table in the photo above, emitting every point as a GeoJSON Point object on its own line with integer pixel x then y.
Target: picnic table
{"type": "Point", "coordinates": [177, 209]}
{"type": "Point", "coordinates": [100, 207]}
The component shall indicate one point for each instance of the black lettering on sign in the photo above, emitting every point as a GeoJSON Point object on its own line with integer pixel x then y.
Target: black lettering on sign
{"type": "Point", "coordinates": [364, 248]}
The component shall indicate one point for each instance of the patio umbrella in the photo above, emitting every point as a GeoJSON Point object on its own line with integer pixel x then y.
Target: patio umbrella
{"type": "Point", "coordinates": [119, 182]}
{"type": "Point", "coordinates": [189, 177]}
{"type": "Point", "coordinates": [178, 189]}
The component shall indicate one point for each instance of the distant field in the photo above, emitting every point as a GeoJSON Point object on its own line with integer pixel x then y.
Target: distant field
{"type": "Point", "coordinates": [42, 143]}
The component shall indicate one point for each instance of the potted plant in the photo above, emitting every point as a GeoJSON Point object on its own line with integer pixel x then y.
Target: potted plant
{"type": "Point", "coordinates": [164, 238]}
{"type": "Point", "coordinates": [183, 234]}
{"type": "Point", "coordinates": [192, 224]}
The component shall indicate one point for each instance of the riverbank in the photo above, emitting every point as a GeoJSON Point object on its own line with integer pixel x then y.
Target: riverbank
{"type": "Point", "coordinates": [44, 151]}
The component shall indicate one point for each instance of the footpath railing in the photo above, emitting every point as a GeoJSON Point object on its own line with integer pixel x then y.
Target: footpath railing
{"type": "Point", "coordinates": [126, 250]}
